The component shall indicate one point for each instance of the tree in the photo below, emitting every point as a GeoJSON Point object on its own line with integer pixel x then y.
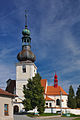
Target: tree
{"type": "Point", "coordinates": [33, 94]}
{"type": "Point", "coordinates": [71, 98]}
{"type": "Point", "coordinates": [78, 97]}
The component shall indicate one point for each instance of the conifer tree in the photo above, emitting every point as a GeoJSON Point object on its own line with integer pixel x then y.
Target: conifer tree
{"type": "Point", "coordinates": [71, 98]}
{"type": "Point", "coordinates": [33, 94]}
{"type": "Point", "coordinates": [78, 97]}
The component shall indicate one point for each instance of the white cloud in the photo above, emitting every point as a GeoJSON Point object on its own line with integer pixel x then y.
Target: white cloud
{"type": "Point", "coordinates": [6, 72]}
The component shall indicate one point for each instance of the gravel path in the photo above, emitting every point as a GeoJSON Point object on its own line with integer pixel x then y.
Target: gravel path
{"type": "Point", "coordinates": [24, 117]}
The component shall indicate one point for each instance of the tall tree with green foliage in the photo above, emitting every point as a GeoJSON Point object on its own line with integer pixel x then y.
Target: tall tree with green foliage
{"type": "Point", "coordinates": [71, 98]}
{"type": "Point", "coordinates": [33, 94]}
{"type": "Point", "coordinates": [78, 97]}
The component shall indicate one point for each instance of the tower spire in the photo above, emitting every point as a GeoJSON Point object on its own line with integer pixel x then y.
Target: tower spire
{"type": "Point", "coordinates": [26, 18]}
{"type": "Point", "coordinates": [55, 81]}
{"type": "Point", "coordinates": [26, 53]}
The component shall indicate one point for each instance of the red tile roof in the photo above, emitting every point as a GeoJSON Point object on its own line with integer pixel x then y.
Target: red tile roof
{"type": "Point", "coordinates": [51, 90]}
{"type": "Point", "coordinates": [43, 83]}
{"type": "Point", "coordinates": [48, 99]}
{"type": "Point", "coordinates": [5, 93]}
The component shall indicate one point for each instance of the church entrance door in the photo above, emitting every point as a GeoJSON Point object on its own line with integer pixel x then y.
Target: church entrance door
{"type": "Point", "coordinates": [16, 109]}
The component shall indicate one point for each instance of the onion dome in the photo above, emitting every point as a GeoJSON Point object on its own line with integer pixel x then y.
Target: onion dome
{"type": "Point", "coordinates": [26, 32]}
{"type": "Point", "coordinates": [25, 55]}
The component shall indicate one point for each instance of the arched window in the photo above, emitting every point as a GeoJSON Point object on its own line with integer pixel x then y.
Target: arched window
{"type": "Point", "coordinates": [57, 102]}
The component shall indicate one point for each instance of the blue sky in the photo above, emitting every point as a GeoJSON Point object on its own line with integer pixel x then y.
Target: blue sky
{"type": "Point", "coordinates": [55, 33]}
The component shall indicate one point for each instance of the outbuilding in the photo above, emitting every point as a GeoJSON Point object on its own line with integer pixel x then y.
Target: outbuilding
{"type": "Point", "coordinates": [6, 105]}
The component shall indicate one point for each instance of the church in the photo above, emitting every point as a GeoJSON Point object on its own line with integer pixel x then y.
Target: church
{"type": "Point", "coordinates": [55, 96]}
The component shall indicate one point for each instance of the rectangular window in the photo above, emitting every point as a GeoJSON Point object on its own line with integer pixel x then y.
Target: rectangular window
{"type": "Point", "coordinates": [6, 112]}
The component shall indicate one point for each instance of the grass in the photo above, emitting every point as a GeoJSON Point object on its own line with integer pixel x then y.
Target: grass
{"type": "Point", "coordinates": [44, 114]}
{"type": "Point", "coordinates": [72, 115]}
{"type": "Point", "coordinates": [48, 114]}
{"type": "Point", "coordinates": [77, 119]}
{"type": "Point", "coordinates": [51, 114]}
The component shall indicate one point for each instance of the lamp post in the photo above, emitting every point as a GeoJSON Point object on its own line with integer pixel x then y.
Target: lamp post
{"type": "Point", "coordinates": [61, 101]}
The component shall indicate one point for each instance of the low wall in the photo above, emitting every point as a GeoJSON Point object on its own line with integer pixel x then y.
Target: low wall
{"type": "Point", "coordinates": [74, 111]}
{"type": "Point", "coordinates": [54, 110]}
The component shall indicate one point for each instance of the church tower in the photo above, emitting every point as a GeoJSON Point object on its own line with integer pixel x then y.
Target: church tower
{"type": "Point", "coordinates": [55, 81]}
{"type": "Point", "coordinates": [25, 68]}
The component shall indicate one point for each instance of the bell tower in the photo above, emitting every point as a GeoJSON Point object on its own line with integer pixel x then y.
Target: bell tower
{"type": "Point", "coordinates": [25, 68]}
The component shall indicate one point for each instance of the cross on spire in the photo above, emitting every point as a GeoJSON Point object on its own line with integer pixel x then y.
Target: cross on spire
{"type": "Point", "coordinates": [26, 18]}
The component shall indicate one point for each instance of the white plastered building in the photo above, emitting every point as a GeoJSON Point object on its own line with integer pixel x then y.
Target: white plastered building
{"type": "Point", "coordinates": [55, 96]}
{"type": "Point", "coordinates": [25, 68]}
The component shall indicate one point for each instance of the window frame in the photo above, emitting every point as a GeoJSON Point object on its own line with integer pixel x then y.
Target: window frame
{"type": "Point", "coordinates": [50, 104]}
{"type": "Point", "coordinates": [58, 102]}
{"type": "Point", "coordinates": [6, 112]}
{"type": "Point", "coordinates": [46, 103]}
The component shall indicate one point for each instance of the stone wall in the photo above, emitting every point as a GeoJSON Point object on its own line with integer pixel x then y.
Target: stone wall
{"type": "Point", "coordinates": [54, 110]}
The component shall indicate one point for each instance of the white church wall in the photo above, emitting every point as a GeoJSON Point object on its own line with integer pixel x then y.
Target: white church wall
{"type": "Point", "coordinates": [22, 77]}
{"type": "Point", "coordinates": [19, 90]}
{"type": "Point", "coordinates": [51, 110]}
{"type": "Point", "coordinates": [54, 110]}
{"type": "Point", "coordinates": [31, 70]}
{"type": "Point", "coordinates": [64, 100]}
{"type": "Point", "coordinates": [74, 111]}
{"type": "Point", "coordinates": [52, 103]}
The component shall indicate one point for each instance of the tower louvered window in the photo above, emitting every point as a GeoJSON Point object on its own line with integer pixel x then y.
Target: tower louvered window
{"type": "Point", "coordinates": [24, 68]}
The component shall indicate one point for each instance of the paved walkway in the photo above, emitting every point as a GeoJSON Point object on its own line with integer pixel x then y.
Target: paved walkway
{"type": "Point", "coordinates": [24, 117]}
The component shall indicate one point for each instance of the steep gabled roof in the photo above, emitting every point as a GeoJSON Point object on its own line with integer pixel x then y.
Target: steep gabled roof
{"type": "Point", "coordinates": [5, 93]}
{"type": "Point", "coordinates": [51, 90]}
{"type": "Point", "coordinates": [43, 83]}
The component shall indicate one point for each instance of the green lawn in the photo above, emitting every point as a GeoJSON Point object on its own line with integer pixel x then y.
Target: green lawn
{"type": "Point", "coordinates": [77, 119]}
{"type": "Point", "coordinates": [72, 115]}
{"type": "Point", "coordinates": [44, 114]}
{"type": "Point", "coordinates": [52, 114]}
{"type": "Point", "coordinates": [48, 114]}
